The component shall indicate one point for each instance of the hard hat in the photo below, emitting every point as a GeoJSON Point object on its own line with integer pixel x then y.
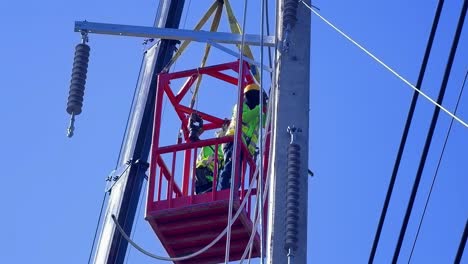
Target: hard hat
{"type": "Point", "coordinates": [251, 87]}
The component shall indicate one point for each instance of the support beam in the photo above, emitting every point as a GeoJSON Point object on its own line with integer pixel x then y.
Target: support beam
{"type": "Point", "coordinates": [125, 194]}
{"type": "Point", "coordinates": [170, 33]}
{"type": "Point", "coordinates": [291, 108]}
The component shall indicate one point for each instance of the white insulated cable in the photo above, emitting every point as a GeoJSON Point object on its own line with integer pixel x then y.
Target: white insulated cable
{"type": "Point", "coordinates": [386, 66]}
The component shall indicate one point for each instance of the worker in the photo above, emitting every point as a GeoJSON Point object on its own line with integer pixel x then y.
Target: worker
{"type": "Point", "coordinates": [250, 120]}
{"type": "Point", "coordinates": [204, 169]}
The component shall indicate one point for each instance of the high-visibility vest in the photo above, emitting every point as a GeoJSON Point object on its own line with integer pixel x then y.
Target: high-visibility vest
{"type": "Point", "coordinates": [206, 157]}
{"type": "Point", "coordinates": [250, 120]}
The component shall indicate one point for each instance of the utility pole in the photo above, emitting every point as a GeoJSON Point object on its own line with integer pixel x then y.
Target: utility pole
{"type": "Point", "coordinates": [125, 192]}
{"type": "Point", "coordinates": [291, 109]}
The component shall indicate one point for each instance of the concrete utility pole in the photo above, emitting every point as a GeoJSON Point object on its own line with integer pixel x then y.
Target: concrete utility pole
{"type": "Point", "coordinates": [291, 108]}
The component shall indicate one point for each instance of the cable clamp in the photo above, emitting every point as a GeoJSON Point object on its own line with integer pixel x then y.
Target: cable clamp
{"type": "Point", "coordinates": [292, 130]}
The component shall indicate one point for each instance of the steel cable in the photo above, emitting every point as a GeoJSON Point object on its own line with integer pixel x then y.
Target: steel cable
{"type": "Point", "coordinates": [404, 136]}
{"type": "Point", "coordinates": [437, 169]}
{"type": "Point", "coordinates": [430, 133]}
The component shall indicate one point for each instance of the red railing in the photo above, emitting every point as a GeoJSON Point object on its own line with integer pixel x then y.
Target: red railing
{"type": "Point", "coordinates": [172, 182]}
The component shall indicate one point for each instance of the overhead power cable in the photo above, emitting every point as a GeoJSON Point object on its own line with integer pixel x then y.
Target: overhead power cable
{"type": "Point", "coordinates": [437, 169]}
{"type": "Point", "coordinates": [386, 66]}
{"type": "Point", "coordinates": [461, 247]}
{"type": "Point", "coordinates": [97, 227]}
{"type": "Point", "coordinates": [431, 130]}
{"type": "Point", "coordinates": [404, 136]}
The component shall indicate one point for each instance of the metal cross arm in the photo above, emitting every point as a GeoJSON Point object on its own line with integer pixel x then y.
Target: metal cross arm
{"type": "Point", "coordinates": [171, 33]}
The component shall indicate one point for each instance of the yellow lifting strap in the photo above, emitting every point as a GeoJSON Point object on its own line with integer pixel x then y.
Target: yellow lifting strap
{"type": "Point", "coordinates": [199, 25]}
{"type": "Point", "coordinates": [214, 28]}
{"type": "Point", "coordinates": [235, 28]}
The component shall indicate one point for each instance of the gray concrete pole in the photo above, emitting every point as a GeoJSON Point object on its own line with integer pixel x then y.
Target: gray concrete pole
{"type": "Point", "coordinates": [291, 108]}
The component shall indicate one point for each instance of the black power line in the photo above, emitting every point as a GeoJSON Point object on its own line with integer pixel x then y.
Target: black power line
{"type": "Point", "coordinates": [437, 169]}
{"type": "Point", "coordinates": [431, 130]}
{"type": "Point", "coordinates": [461, 247]}
{"type": "Point", "coordinates": [405, 131]}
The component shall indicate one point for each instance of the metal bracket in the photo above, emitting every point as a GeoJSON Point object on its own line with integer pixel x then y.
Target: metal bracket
{"type": "Point", "coordinates": [172, 33]}
{"type": "Point", "coordinates": [292, 130]}
{"type": "Point", "coordinates": [116, 174]}
{"type": "Point", "coordinates": [84, 36]}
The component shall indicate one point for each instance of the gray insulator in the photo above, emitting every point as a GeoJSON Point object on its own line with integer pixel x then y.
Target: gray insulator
{"type": "Point", "coordinates": [292, 196]}
{"type": "Point", "coordinates": [78, 79]}
{"type": "Point", "coordinates": [290, 13]}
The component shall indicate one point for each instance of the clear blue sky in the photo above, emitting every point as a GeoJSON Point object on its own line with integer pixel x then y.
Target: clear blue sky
{"type": "Point", "coordinates": [52, 186]}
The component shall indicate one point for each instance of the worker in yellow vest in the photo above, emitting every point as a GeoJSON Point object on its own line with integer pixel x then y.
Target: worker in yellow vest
{"type": "Point", "coordinates": [205, 165]}
{"type": "Point", "coordinates": [250, 120]}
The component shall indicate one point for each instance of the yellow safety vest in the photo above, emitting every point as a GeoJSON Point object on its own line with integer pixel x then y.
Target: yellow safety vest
{"type": "Point", "coordinates": [250, 120]}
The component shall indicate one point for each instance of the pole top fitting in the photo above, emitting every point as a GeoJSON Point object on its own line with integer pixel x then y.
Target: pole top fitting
{"type": "Point", "coordinates": [84, 36]}
{"type": "Point", "coordinates": [292, 130]}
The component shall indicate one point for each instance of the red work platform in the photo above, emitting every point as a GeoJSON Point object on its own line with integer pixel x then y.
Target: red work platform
{"type": "Point", "coordinates": [185, 222]}
{"type": "Point", "coordinates": [187, 229]}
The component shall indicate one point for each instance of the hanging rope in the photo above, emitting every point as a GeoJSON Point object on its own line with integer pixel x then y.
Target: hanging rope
{"type": "Point", "coordinates": [236, 135]}
{"type": "Point", "coordinates": [261, 198]}
{"type": "Point", "coordinates": [387, 67]}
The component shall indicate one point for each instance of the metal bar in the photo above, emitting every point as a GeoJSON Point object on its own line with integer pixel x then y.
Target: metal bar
{"type": "Point", "coordinates": [237, 55]}
{"type": "Point", "coordinates": [186, 171]}
{"type": "Point", "coordinates": [185, 88]}
{"type": "Point", "coordinates": [167, 175]}
{"type": "Point", "coordinates": [170, 33]}
{"type": "Point", "coordinates": [224, 77]}
{"type": "Point", "coordinates": [171, 179]}
{"type": "Point", "coordinates": [197, 144]}
{"type": "Point", "coordinates": [160, 184]}
{"type": "Point", "coordinates": [204, 116]}
{"type": "Point", "coordinates": [215, 68]}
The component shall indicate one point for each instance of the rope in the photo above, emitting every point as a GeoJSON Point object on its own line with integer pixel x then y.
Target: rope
{"type": "Point", "coordinates": [437, 169]}
{"type": "Point", "coordinates": [386, 66]}
{"type": "Point", "coordinates": [260, 132]}
{"type": "Point", "coordinates": [263, 197]}
{"type": "Point", "coordinates": [136, 222]}
{"type": "Point", "coordinates": [236, 138]}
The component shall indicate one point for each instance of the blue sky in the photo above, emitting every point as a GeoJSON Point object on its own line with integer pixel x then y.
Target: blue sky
{"type": "Point", "coordinates": [53, 185]}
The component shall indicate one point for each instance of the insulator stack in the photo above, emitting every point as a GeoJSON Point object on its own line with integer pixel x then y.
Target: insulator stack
{"type": "Point", "coordinates": [77, 84]}
{"type": "Point", "coordinates": [78, 80]}
{"type": "Point", "coordinates": [290, 13]}
{"type": "Point", "coordinates": [292, 196]}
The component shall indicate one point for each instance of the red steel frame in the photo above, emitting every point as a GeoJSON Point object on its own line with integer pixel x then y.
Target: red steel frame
{"type": "Point", "coordinates": [181, 196]}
